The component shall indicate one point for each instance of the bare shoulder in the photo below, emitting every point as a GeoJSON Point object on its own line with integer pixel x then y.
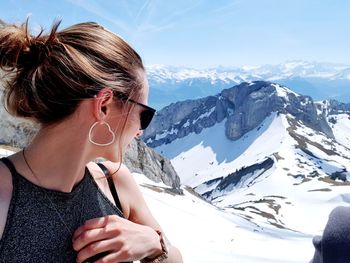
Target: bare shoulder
{"type": "Point", "coordinates": [132, 195]}
{"type": "Point", "coordinates": [123, 175]}
{"type": "Point", "coordinates": [5, 194]}
{"type": "Point", "coordinates": [120, 173]}
{"type": "Point", "coordinates": [5, 184]}
{"type": "Point", "coordinates": [122, 179]}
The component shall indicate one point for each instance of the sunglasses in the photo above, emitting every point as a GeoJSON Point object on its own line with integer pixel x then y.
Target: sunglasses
{"type": "Point", "coordinates": [146, 115]}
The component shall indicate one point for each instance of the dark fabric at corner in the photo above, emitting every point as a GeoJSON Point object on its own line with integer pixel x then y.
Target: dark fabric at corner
{"type": "Point", "coordinates": [34, 231]}
{"type": "Point", "coordinates": [334, 245]}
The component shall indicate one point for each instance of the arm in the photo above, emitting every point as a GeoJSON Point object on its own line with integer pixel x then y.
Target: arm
{"type": "Point", "coordinates": [140, 213]}
{"type": "Point", "coordinates": [138, 210]}
{"type": "Point", "coordinates": [133, 239]}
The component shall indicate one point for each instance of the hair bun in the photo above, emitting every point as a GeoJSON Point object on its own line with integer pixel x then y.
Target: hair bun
{"type": "Point", "coordinates": [19, 49]}
{"type": "Point", "coordinates": [36, 52]}
{"type": "Point", "coordinates": [13, 41]}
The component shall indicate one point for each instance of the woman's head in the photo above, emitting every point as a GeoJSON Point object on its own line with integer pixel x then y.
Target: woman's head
{"type": "Point", "coordinates": [52, 73]}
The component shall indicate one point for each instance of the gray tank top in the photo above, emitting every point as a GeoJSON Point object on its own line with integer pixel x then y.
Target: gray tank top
{"type": "Point", "coordinates": [35, 233]}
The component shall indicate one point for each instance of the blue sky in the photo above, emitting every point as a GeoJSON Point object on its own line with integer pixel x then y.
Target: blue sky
{"type": "Point", "coordinates": [208, 33]}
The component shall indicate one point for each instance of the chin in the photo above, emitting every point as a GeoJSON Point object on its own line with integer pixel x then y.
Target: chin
{"type": "Point", "coordinates": [115, 154]}
{"type": "Point", "coordinates": [112, 155]}
{"type": "Point", "coordinates": [114, 159]}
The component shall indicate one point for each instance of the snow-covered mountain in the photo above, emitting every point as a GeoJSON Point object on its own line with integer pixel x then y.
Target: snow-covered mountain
{"type": "Point", "coordinates": [247, 73]}
{"type": "Point", "coordinates": [261, 151]}
{"type": "Point", "coordinates": [319, 80]}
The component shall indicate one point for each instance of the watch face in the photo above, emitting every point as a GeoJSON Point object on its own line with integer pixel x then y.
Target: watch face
{"type": "Point", "coordinates": [166, 244]}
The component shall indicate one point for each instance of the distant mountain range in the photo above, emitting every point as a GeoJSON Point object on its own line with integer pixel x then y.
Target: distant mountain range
{"type": "Point", "coordinates": [260, 150]}
{"type": "Point", "coordinates": [318, 80]}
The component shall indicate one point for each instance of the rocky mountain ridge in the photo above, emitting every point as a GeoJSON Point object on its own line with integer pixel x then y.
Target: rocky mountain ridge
{"type": "Point", "coordinates": [243, 107]}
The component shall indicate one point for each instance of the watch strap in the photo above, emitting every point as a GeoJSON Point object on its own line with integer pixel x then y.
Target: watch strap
{"type": "Point", "coordinates": [164, 255]}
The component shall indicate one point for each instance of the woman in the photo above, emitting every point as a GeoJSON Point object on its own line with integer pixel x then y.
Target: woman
{"type": "Point", "coordinates": [87, 88]}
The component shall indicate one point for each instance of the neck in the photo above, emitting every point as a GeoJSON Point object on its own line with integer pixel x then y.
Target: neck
{"type": "Point", "coordinates": [57, 158]}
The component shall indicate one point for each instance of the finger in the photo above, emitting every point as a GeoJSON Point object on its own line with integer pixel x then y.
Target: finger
{"type": "Point", "coordinates": [119, 256]}
{"type": "Point", "coordinates": [90, 224]}
{"type": "Point", "coordinates": [87, 237]}
{"type": "Point", "coordinates": [93, 223]}
{"type": "Point", "coordinates": [97, 248]}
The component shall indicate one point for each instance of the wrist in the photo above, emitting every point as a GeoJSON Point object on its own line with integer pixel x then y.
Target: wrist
{"type": "Point", "coordinates": [157, 248]}
{"type": "Point", "coordinates": [161, 249]}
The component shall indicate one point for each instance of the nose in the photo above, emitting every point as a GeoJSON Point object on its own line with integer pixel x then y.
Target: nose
{"type": "Point", "coordinates": [139, 133]}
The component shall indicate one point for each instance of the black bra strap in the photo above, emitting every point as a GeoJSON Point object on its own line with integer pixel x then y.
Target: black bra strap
{"type": "Point", "coordinates": [9, 165]}
{"type": "Point", "coordinates": [111, 185]}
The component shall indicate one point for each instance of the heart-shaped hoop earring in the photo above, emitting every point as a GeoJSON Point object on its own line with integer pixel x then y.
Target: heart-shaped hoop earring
{"type": "Point", "coordinates": [109, 130]}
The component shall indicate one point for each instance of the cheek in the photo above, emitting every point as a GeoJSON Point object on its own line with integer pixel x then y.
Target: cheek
{"type": "Point", "coordinates": [130, 131]}
{"type": "Point", "coordinates": [133, 129]}
{"type": "Point", "coordinates": [134, 122]}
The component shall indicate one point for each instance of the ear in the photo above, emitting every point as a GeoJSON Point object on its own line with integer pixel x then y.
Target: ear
{"type": "Point", "coordinates": [101, 102]}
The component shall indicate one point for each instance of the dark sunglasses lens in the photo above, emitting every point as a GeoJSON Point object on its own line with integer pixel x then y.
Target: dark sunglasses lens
{"type": "Point", "coordinates": [146, 118]}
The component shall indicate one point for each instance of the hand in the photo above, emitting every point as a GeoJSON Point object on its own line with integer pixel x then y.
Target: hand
{"type": "Point", "coordinates": [121, 238]}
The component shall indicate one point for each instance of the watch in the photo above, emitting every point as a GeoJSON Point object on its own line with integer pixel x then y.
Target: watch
{"type": "Point", "coordinates": [165, 248]}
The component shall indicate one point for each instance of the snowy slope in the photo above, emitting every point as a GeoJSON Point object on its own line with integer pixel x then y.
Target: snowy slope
{"type": "Point", "coordinates": [284, 171]}
{"type": "Point", "coordinates": [201, 157]}
{"type": "Point", "coordinates": [340, 124]}
{"type": "Point", "coordinates": [205, 234]}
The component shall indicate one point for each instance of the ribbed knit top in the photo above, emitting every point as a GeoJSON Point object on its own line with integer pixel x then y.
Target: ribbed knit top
{"type": "Point", "coordinates": [39, 230]}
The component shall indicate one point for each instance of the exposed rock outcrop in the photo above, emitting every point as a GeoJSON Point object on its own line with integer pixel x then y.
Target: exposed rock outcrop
{"type": "Point", "coordinates": [142, 159]}
{"type": "Point", "coordinates": [255, 101]}
{"type": "Point", "coordinates": [243, 107]}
